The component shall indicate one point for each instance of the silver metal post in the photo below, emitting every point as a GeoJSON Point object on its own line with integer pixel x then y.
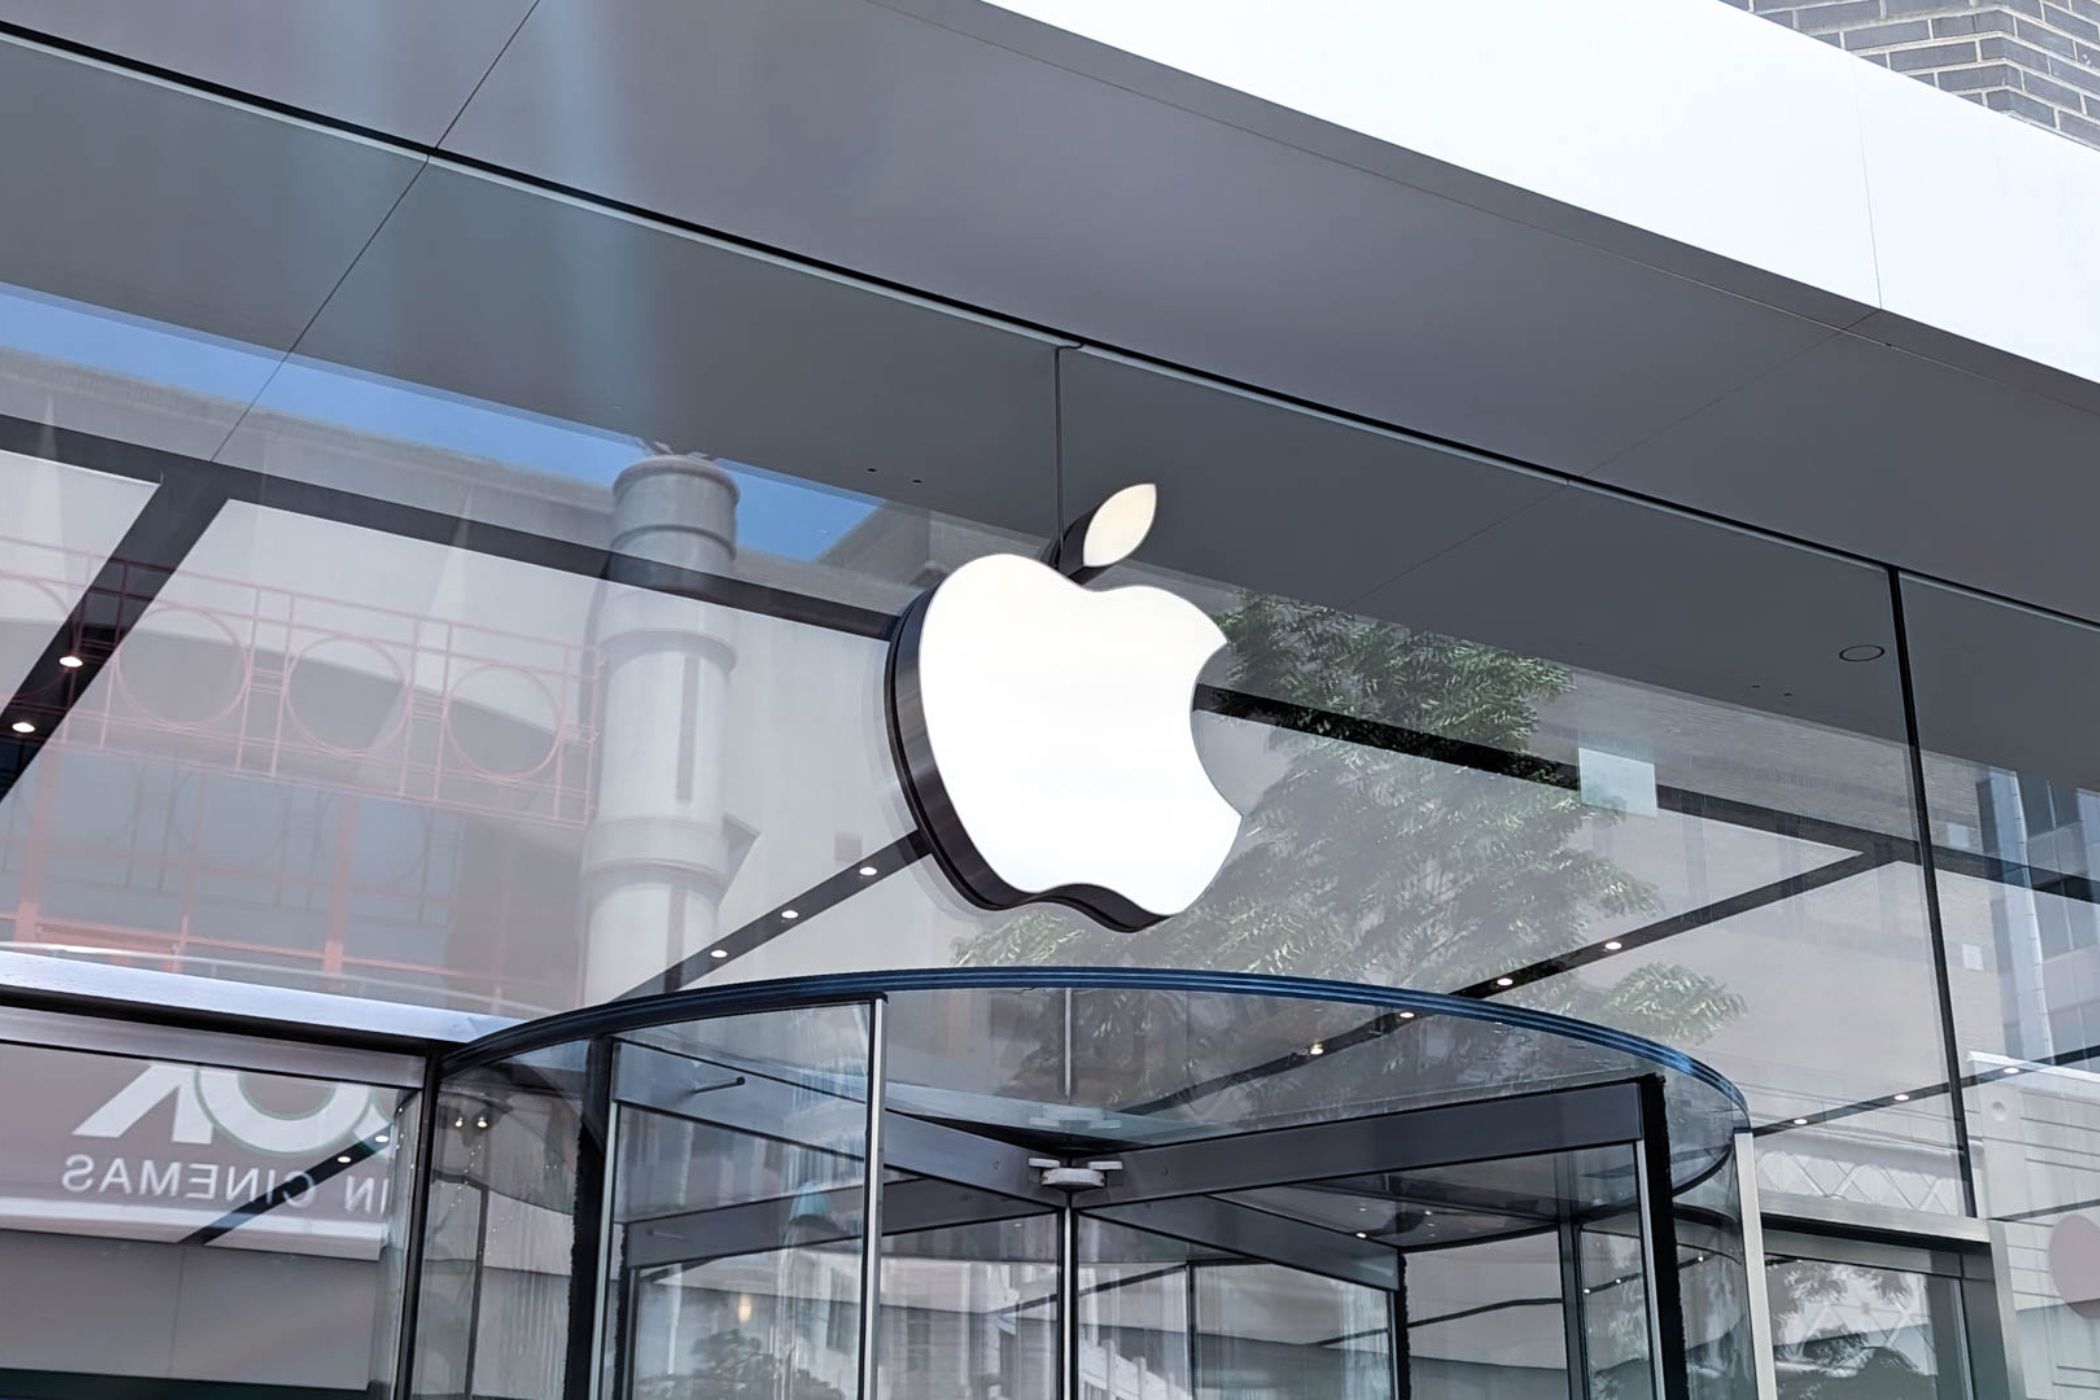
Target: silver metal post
{"type": "Point", "coordinates": [871, 1217]}
{"type": "Point", "coordinates": [1068, 1304]}
{"type": "Point", "coordinates": [1759, 1300]}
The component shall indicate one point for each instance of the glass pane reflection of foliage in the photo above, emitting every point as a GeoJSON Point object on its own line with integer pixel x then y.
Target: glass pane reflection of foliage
{"type": "Point", "coordinates": [735, 1366]}
{"type": "Point", "coordinates": [1370, 866]}
{"type": "Point", "coordinates": [1850, 1332]}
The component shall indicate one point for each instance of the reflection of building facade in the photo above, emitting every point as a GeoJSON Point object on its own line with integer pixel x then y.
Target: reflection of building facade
{"type": "Point", "coordinates": [440, 594]}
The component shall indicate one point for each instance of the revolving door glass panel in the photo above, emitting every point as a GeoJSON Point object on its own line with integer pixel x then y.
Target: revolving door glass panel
{"type": "Point", "coordinates": [1128, 1189]}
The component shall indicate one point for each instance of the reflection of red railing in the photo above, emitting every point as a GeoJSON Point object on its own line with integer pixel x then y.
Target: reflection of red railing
{"type": "Point", "coordinates": [320, 712]}
{"type": "Point", "coordinates": [240, 677]}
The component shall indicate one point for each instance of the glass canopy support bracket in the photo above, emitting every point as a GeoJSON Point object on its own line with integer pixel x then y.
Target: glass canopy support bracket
{"type": "Point", "coordinates": [752, 1105]}
{"type": "Point", "coordinates": [1258, 1234]}
{"type": "Point", "coordinates": [1518, 1125]}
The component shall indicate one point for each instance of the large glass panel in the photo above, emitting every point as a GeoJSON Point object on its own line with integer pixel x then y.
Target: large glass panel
{"type": "Point", "coordinates": [1851, 1329]}
{"type": "Point", "coordinates": [189, 1226]}
{"type": "Point", "coordinates": [1500, 736]}
{"type": "Point", "coordinates": [971, 1311]}
{"type": "Point", "coordinates": [552, 592]}
{"type": "Point", "coordinates": [1486, 1319]}
{"type": "Point", "coordinates": [735, 1259]}
{"type": "Point", "coordinates": [493, 1317]}
{"type": "Point", "coordinates": [2012, 765]}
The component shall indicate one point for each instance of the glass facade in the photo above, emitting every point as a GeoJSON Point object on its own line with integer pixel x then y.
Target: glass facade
{"type": "Point", "coordinates": [430, 602]}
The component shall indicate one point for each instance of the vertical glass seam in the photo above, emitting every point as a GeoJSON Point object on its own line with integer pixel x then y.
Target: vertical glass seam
{"type": "Point", "coordinates": [1957, 1103]}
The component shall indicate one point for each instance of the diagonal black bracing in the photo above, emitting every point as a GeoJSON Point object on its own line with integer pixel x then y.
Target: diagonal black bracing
{"type": "Point", "coordinates": [174, 518]}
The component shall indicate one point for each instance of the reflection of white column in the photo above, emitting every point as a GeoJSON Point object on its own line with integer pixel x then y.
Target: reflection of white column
{"type": "Point", "coordinates": [2026, 1000]}
{"type": "Point", "coordinates": [657, 858]}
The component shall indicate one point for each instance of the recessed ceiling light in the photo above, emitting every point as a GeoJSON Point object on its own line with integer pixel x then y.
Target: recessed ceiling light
{"type": "Point", "coordinates": [1407, 1015]}
{"type": "Point", "coordinates": [1316, 1048]}
{"type": "Point", "coordinates": [460, 1122]}
{"type": "Point", "coordinates": [71, 662]}
{"type": "Point", "coordinates": [2012, 1069]}
{"type": "Point", "coordinates": [718, 952]}
{"type": "Point", "coordinates": [1505, 981]}
{"type": "Point", "coordinates": [867, 870]}
{"type": "Point", "coordinates": [1800, 1122]}
{"type": "Point", "coordinates": [344, 1159]}
{"type": "Point", "coordinates": [1902, 1098]}
{"type": "Point", "coordinates": [379, 1137]}
{"type": "Point", "coordinates": [1614, 946]}
{"type": "Point", "coordinates": [23, 726]}
{"type": "Point", "coordinates": [791, 913]}
{"type": "Point", "coordinates": [482, 1122]}
{"type": "Point", "coordinates": [1363, 1234]}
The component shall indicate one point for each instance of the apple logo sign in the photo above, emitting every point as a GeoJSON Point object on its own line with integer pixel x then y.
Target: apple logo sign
{"type": "Point", "coordinates": [1042, 729]}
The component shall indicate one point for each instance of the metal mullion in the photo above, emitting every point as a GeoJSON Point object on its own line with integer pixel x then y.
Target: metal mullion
{"type": "Point", "coordinates": [871, 1214]}
{"type": "Point", "coordinates": [594, 1147]}
{"type": "Point", "coordinates": [421, 1182]}
{"type": "Point", "coordinates": [1574, 1315]}
{"type": "Point", "coordinates": [1399, 1350]}
{"type": "Point", "coordinates": [1195, 1335]}
{"type": "Point", "coordinates": [1068, 1303]}
{"type": "Point", "coordinates": [1758, 1299]}
{"type": "Point", "coordinates": [1668, 1364]}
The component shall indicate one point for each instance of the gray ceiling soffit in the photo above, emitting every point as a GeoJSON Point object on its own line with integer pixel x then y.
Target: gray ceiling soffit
{"type": "Point", "coordinates": [1281, 500]}
{"type": "Point", "coordinates": [484, 288]}
{"type": "Point", "coordinates": [871, 139]}
{"type": "Point", "coordinates": [1633, 591]}
{"type": "Point", "coordinates": [1271, 497]}
{"type": "Point", "coordinates": [1035, 174]}
{"type": "Point", "coordinates": [177, 206]}
{"type": "Point", "coordinates": [1913, 462]}
{"type": "Point", "coordinates": [403, 67]}
{"type": "Point", "coordinates": [1964, 647]}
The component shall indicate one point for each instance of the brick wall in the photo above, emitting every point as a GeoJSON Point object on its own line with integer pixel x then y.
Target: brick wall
{"type": "Point", "coordinates": [2036, 59]}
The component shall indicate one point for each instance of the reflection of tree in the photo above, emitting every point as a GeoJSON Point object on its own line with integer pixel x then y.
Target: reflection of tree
{"type": "Point", "coordinates": [737, 1366]}
{"type": "Point", "coordinates": [1373, 866]}
{"type": "Point", "coordinates": [1854, 1361]}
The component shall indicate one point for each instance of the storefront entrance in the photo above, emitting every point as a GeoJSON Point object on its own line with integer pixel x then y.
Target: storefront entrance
{"type": "Point", "coordinates": [1091, 1186]}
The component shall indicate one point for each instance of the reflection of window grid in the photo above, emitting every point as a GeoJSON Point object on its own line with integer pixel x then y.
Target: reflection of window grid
{"type": "Point", "coordinates": [212, 484]}
{"type": "Point", "coordinates": [422, 728]}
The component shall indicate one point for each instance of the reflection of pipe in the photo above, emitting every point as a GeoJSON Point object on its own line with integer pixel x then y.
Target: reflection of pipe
{"type": "Point", "coordinates": [656, 858]}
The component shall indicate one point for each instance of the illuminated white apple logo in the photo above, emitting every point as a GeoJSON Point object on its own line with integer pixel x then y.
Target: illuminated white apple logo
{"type": "Point", "coordinates": [1043, 730]}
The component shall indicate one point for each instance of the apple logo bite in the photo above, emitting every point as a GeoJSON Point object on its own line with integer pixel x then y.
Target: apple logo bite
{"type": "Point", "coordinates": [1042, 730]}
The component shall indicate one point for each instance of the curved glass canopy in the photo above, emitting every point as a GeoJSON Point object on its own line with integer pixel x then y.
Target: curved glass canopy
{"type": "Point", "coordinates": [1089, 1183]}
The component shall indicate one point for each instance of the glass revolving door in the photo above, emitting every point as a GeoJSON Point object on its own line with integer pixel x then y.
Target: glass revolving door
{"type": "Point", "coordinates": [1101, 1186]}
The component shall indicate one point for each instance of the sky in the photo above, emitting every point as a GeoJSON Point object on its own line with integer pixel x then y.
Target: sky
{"type": "Point", "coordinates": [776, 514]}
